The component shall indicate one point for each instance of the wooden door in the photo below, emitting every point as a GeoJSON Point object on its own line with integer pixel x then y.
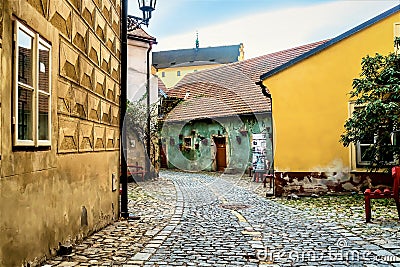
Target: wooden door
{"type": "Point", "coordinates": [221, 153]}
{"type": "Point", "coordinates": [163, 157]}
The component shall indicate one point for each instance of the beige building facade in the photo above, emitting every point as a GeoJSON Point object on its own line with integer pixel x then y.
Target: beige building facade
{"type": "Point", "coordinates": [60, 88]}
{"type": "Point", "coordinates": [139, 63]}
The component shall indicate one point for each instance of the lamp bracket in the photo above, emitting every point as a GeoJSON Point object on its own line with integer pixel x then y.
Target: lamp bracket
{"type": "Point", "coordinates": [134, 23]}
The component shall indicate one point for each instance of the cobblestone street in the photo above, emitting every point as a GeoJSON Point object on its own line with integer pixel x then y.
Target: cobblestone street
{"type": "Point", "coordinates": [192, 219]}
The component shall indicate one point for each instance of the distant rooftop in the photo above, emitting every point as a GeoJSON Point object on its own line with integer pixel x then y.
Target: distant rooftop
{"type": "Point", "coordinates": [192, 56]}
{"type": "Point", "coordinates": [230, 89]}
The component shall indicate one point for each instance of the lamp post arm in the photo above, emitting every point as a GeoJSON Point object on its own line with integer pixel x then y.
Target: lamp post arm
{"type": "Point", "coordinates": [134, 22]}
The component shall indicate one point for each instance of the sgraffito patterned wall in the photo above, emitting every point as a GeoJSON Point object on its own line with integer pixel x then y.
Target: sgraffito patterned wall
{"type": "Point", "coordinates": [87, 43]}
{"type": "Point", "coordinates": [89, 72]}
{"type": "Point", "coordinates": [44, 190]}
{"type": "Point", "coordinates": [1, 23]}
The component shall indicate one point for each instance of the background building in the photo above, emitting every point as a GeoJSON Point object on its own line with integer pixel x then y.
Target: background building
{"type": "Point", "coordinates": [173, 65]}
{"type": "Point", "coordinates": [140, 76]}
{"type": "Point", "coordinates": [218, 118]}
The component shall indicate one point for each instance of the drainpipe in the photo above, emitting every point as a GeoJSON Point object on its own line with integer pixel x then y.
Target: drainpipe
{"type": "Point", "coordinates": [268, 95]}
{"type": "Point", "coordinates": [123, 100]}
{"type": "Point", "coordinates": [148, 141]}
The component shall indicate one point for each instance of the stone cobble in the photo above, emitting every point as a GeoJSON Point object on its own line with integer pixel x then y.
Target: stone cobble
{"type": "Point", "coordinates": [348, 212]}
{"type": "Point", "coordinates": [152, 201]}
{"type": "Point", "coordinates": [200, 219]}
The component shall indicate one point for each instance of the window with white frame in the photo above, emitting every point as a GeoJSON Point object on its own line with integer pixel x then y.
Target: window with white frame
{"type": "Point", "coordinates": [32, 88]}
{"type": "Point", "coordinates": [363, 156]}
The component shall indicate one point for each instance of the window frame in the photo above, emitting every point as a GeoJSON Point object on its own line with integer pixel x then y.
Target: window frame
{"type": "Point", "coordinates": [359, 160]}
{"type": "Point", "coordinates": [188, 142]}
{"type": "Point", "coordinates": [396, 33]}
{"type": "Point", "coordinates": [37, 41]}
{"type": "Point", "coordinates": [358, 154]}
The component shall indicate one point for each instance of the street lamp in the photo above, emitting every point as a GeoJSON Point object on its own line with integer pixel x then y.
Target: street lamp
{"type": "Point", "coordinates": [146, 6]}
{"type": "Point", "coordinates": [128, 23]}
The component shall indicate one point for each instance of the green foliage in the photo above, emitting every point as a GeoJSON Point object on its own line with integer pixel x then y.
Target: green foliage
{"type": "Point", "coordinates": [376, 94]}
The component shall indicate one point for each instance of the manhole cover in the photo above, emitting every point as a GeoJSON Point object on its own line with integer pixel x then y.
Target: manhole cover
{"type": "Point", "coordinates": [235, 206]}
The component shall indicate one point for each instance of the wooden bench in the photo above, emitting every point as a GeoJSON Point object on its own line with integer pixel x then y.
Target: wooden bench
{"type": "Point", "coordinates": [136, 170]}
{"type": "Point", "coordinates": [387, 193]}
{"type": "Point", "coordinates": [271, 178]}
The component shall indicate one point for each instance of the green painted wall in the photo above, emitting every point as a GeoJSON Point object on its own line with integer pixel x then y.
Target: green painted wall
{"type": "Point", "coordinates": [189, 145]}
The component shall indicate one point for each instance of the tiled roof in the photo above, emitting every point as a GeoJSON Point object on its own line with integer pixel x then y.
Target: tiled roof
{"type": "Point", "coordinates": [209, 55]}
{"type": "Point", "coordinates": [161, 88]}
{"type": "Point", "coordinates": [254, 67]}
{"type": "Point", "coordinates": [218, 101]}
{"type": "Point", "coordinates": [140, 34]}
{"type": "Point", "coordinates": [331, 42]}
{"type": "Point", "coordinates": [229, 90]}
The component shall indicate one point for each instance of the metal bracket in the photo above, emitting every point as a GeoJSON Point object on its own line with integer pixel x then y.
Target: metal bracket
{"type": "Point", "coordinates": [134, 23]}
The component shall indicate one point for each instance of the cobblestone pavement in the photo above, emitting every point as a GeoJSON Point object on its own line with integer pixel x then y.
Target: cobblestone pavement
{"type": "Point", "coordinates": [190, 219]}
{"type": "Point", "coordinates": [153, 201]}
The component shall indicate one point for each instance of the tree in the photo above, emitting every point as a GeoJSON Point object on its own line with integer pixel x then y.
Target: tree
{"type": "Point", "coordinates": [375, 120]}
{"type": "Point", "coordinates": [136, 124]}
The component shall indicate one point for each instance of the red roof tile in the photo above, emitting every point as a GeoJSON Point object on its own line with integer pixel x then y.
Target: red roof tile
{"type": "Point", "coordinates": [229, 90]}
{"type": "Point", "coordinates": [141, 34]}
{"type": "Point", "coordinates": [161, 85]}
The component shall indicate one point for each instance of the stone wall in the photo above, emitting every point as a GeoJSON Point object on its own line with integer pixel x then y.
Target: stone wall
{"type": "Point", "coordinates": [307, 183]}
{"type": "Point", "coordinates": [59, 194]}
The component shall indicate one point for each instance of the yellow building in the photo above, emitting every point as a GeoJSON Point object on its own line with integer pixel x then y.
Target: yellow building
{"type": "Point", "coordinates": [311, 103]}
{"type": "Point", "coordinates": [173, 65]}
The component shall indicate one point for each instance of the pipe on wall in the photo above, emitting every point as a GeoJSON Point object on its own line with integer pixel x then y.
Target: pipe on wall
{"type": "Point", "coordinates": [124, 213]}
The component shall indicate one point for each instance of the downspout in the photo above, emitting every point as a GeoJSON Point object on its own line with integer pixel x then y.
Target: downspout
{"type": "Point", "coordinates": [268, 95]}
{"type": "Point", "coordinates": [148, 141]}
{"type": "Point", "coordinates": [123, 100]}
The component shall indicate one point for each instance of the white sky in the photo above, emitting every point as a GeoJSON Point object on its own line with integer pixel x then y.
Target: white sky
{"type": "Point", "coordinates": [270, 28]}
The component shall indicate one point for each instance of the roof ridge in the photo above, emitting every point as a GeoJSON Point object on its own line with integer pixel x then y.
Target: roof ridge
{"type": "Point", "coordinates": [243, 63]}
{"type": "Point", "coordinates": [333, 41]}
{"type": "Point", "coordinates": [194, 48]}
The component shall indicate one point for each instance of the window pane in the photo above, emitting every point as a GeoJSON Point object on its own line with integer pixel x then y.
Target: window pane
{"type": "Point", "coordinates": [25, 44]}
{"type": "Point", "coordinates": [44, 54]}
{"type": "Point", "coordinates": [367, 139]}
{"type": "Point", "coordinates": [388, 157]}
{"type": "Point", "coordinates": [43, 117]}
{"type": "Point", "coordinates": [25, 118]}
{"type": "Point", "coordinates": [365, 155]}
